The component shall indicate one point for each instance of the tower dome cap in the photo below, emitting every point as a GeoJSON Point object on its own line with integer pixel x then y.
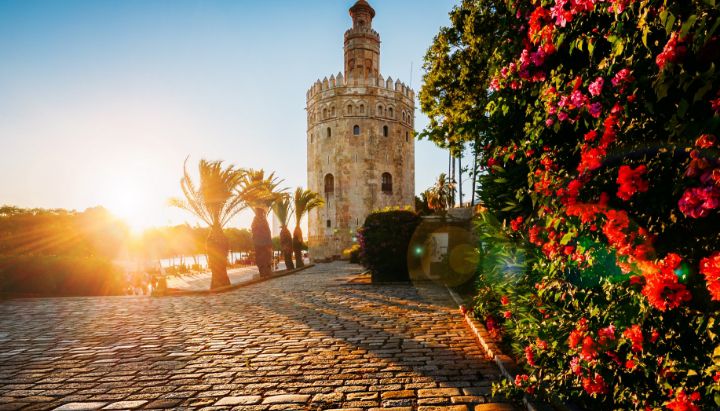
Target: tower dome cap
{"type": "Point", "coordinates": [362, 5]}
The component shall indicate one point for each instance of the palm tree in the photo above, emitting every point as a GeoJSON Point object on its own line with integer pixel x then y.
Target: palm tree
{"type": "Point", "coordinates": [440, 196]}
{"type": "Point", "coordinates": [260, 193]}
{"type": "Point", "coordinates": [214, 202]}
{"type": "Point", "coordinates": [305, 200]}
{"type": "Point", "coordinates": [282, 210]}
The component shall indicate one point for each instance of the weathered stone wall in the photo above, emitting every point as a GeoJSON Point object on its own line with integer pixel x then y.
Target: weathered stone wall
{"type": "Point", "coordinates": [357, 162]}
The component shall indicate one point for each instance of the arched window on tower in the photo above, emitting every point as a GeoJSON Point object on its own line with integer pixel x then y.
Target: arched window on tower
{"type": "Point", "coordinates": [329, 132]}
{"type": "Point", "coordinates": [329, 184]}
{"type": "Point", "coordinates": [332, 111]}
{"type": "Point", "coordinates": [386, 131]}
{"type": "Point", "coordinates": [403, 116]}
{"type": "Point", "coordinates": [350, 109]}
{"type": "Point", "coordinates": [407, 137]}
{"type": "Point", "coordinates": [386, 183]}
{"type": "Point", "coordinates": [391, 112]}
{"type": "Point", "coordinates": [380, 111]}
{"type": "Point", "coordinates": [356, 130]}
{"type": "Point", "coordinates": [362, 108]}
{"type": "Point", "coordinates": [324, 113]}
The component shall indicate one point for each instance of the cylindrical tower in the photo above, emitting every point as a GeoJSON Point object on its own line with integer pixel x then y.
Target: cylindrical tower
{"type": "Point", "coordinates": [360, 145]}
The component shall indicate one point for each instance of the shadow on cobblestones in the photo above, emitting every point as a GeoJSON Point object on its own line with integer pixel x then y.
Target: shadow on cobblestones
{"type": "Point", "coordinates": [304, 341]}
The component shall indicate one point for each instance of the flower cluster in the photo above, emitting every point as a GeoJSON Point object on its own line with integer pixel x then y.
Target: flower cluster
{"type": "Point", "coordinates": [631, 181]}
{"type": "Point", "coordinates": [673, 51]}
{"type": "Point", "coordinates": [699, 202]}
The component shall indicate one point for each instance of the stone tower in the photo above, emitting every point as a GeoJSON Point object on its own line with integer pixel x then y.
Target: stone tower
{"type": "Point", "coordinates": [360, 146]}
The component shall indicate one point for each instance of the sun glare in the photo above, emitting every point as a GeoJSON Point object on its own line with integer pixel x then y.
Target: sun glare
{"type": "Point", "coordinates": [130, 201]}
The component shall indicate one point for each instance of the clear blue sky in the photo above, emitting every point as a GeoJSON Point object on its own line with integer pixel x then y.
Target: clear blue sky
{"type": "Point", "coordinates": [101, 101]}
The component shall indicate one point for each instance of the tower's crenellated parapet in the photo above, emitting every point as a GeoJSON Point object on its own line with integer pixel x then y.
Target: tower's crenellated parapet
{"type": "Point", "coordinates": [361, 152]}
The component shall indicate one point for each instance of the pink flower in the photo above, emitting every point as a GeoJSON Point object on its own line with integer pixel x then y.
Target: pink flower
{"type": "Point", "coordinates": [596, 86]}
{"type": "Point", "coordinates": [577, 98]}
{"type": "Point", "coordinates": [698, 202]}
{"type": "Point", "coordinates": [623, 76]}
{"type": "Point", "coordinates": [672, 52]}
{"type": "Point", "coordinates": [595, 110]}
{"type": "Point", "coordinates": [562, 16]}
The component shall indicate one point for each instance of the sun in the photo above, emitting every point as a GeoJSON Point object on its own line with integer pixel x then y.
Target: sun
{"type": "Point", "coordinates": [130, 200]}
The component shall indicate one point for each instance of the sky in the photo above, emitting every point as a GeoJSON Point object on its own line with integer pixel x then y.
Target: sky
{"type": "Point", "coordinates": [102, 101]}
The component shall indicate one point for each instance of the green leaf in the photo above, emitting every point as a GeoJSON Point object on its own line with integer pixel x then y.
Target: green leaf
{"type": "Point", "coordinates": [682, 108]}
{"type": "Point", "coordinates": [687, 25]}
{"type": "Point", "coordinates": [702, 91]}
{"type": "Point", "coordinates": [567, 238]}
{"type": "Point", "coordinates": [669, 23]}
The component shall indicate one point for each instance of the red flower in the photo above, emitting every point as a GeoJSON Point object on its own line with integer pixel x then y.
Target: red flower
{"type": "Point", "coordinates": [507, 314]}
{"type": "Point", "coordinates": [673, 51]}
{"type": "Point", "coordinates": [530, 356]}
{"type": "Point", "coordinates": [630, 181]}
{"type": "Point", "coordinates": [575, 366]}
{"type": "Point", "coordinates": [575, 337]}
{"type": "Point", "coordinates": [683, 402]}
{"type": "Point", "coordinates": [543, 345]}
{"type": "Point", "coordinates": [662, 288]}
{"type": "Point", "coordinates": [515, 223]}
{"type": "Point", "coordinates": [594, 385]}
{"type": "Point", "coordinates": [589, 349]}
{"type": "Point", "coordinates": [521, 379]}
{"type": "Point", "coordinates": [634, 334]}
{"type": "Point", "coordinates": [710, 268]}
{"type": "Point", "coordinates": [705, 141]}
{"type": "Point", "coordinates": [715, 105]}
{"type": "Point", "coordinates": [630, 364]}
{"type": "Point", "coordinates": [591, 158]}
{"type": "Point", "coordinates": [504, 300]}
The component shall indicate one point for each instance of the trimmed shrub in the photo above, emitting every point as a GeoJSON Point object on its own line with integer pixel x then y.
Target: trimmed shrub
{"type": "Point", "coordinates": [384, 241]}
{"type": "Point", "coordinates": [60, 276]}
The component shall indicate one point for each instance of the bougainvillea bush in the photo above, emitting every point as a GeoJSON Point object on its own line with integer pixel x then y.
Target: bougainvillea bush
{"type": "Point", "coordinates": [601, 268]}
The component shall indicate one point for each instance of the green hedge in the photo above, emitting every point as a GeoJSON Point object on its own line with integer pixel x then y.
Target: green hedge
{"type": "Point", "coordinates": [59, 276]}
{"type": "Point", "coordinates": [384, 241]}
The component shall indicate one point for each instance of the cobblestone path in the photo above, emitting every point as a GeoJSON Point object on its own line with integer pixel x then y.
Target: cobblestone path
{"type": "Point", "coordinates": [307, 341]}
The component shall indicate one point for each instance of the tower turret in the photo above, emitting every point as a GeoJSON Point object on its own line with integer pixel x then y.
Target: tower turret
{"type": "Point", "coordinates": [362, 43]}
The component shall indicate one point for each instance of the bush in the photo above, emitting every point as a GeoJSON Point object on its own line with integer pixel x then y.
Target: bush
{"type": "Point", "coordinates": [384, 241]}
{"type": "Point", "coordinates": [601, 163]}
{"type": "Point", "coordinates": [60, 276]}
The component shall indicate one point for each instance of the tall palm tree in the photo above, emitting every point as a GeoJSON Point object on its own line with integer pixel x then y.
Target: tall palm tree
{"type": "Point", "coordinates": [282, 210]}
{"type": "Point", "coordinates": [215, 202]}
{"type": "Point", "coordinates": [440, 196]}
{"type": "Point", "coordinates": [260, 193]}
{"type": "Point", "coordinates": [305, 200]}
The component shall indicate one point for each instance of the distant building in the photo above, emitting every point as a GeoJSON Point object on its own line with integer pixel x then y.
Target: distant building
{"type": "Point", "coordinates": [360, 146]}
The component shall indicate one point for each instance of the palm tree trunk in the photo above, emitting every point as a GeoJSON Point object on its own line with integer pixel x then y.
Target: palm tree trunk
{"type": "Point", "coordinates": [217, 246]}
{"type": "Point", "coordinates": [262, 240]}
{"type": "Point", "coordinates": [286, 243]}
{"type": "Point", "coordinates": [297, 246]}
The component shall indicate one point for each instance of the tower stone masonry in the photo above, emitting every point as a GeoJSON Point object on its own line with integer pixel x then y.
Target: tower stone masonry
{"type": "Point", "coordinates": [360, 145]}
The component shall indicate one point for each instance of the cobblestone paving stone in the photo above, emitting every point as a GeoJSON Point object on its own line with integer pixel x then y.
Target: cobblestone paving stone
{"type": "Point", "coordinates": [308, 341]}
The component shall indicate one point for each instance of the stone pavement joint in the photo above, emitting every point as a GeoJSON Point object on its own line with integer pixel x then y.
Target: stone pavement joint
{"type": "Point", "coordinates": [308, 341]}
